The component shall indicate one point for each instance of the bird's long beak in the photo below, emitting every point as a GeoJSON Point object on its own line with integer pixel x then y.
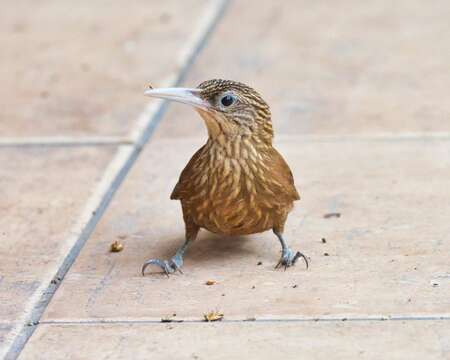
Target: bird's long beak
{"type": "Point", "coordinates": [182, 95]}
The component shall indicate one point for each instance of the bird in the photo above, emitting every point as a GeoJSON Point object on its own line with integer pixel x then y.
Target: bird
{"type": "Point", "coordinates": [237, 183]}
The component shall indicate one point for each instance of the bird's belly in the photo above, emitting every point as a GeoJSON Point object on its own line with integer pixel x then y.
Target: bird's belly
{"type": "Point", "coordinates": [235, 218]}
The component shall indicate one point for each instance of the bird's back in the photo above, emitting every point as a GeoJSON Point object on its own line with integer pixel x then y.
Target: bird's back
{"type": "Point", "coordinates": [236, 189]}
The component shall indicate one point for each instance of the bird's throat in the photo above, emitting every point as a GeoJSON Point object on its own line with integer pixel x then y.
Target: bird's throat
{"type": "Point", "coordinates": [219, 126]}
{"type": "Point", "coordinates": [214, 129]}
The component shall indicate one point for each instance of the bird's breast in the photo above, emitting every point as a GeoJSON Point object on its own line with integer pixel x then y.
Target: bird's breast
{"type": "Point", "coordinates": [230, 194]}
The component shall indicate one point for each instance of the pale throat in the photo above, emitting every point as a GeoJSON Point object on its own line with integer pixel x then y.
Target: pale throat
{"type": "Point", "coordinates": [228, 140]}
{"type": "Point", "coordinates": [218, 125]}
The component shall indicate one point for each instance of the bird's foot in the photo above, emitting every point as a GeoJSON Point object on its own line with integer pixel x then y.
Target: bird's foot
{"type": "Point", "coordinates": [168, 266]}
{"type": "Point", "coordinates": [289, 258]}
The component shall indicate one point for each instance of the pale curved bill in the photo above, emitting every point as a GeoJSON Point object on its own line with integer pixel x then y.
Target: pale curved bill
{"type": "Point", "coordinates": [182, 95]}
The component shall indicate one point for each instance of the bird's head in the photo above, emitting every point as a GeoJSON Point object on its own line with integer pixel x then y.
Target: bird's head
{"type": "Point", "coordinates": [230, 109]}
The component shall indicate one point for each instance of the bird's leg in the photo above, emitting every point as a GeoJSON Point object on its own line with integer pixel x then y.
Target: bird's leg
{"type": "Point", "coordinates": [175, 262]}
{"type": "Point", "coordinates": [288, 257]}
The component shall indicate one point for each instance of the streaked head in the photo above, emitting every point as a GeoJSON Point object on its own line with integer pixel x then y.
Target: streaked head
{"type": "Point", "coordinates": [228, 107]}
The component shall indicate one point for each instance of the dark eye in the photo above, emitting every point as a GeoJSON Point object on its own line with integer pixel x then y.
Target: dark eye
{"type": "Point", "coordinates": [227, 100]}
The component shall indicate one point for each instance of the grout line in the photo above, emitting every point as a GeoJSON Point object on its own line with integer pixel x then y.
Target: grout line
{"type": "Point", "coordinates": [442, 317]}
{"type": "Point", "coordinates": [73, 141]}
{"type": "Point", "coordinates": [54, 141]}
{"type": "Point", "coordinates": [382, 137]}
{"type": "Point", "coordinates": [112, 179]}
{"type": "Point", "coordinates": [406, 136]}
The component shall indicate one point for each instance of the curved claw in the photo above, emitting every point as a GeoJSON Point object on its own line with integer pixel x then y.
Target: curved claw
{"type": "Point", "coordinates": [168, 266]}
{"type": "Point", "coordinates": [164, 265]}
{"type": "Point", "coordinates": [301, 255]}
{"type": "Point", "coordinates": [288, 260]}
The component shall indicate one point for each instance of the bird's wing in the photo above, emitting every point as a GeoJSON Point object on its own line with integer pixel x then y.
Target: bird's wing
{"type": "Point", "coordinates": [282, 174]}
{"type": "Point", "coordinates": [184, 185]}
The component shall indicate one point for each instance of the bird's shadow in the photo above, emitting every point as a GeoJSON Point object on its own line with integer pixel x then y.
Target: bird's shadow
{"type": "Point", "coordinates": [210, 247]}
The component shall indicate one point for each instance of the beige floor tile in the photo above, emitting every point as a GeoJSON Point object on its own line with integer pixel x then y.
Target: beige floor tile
{"type": "Point", "coordinates": [387, 252]}
{"type": "Point", "coordinates": [43, 192]}
{"type": "Point", "coordinates": [333, 67]}
{"type": "Point", "coordinates": [81, 69]}
{"type": "Point", "coordinates": [304, 340]}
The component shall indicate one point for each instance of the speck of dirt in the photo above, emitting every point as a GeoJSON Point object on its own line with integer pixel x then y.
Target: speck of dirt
{"type": "Point", "coordinates": [19, 28]}
{"type": "Point", "coordinates": [170, 320]}
{"type": "Point", "coordinates": [332, 215]}
{"type": "Point", "coordinates": [324, 241]}
{"type": "Point", "coordinates": [85, 67]}
{"type": "Point", "coordinates": [44, 94]}
{"type": "Point", "coordinates": [259, 263]}
{"type": "Point", "coordinates": [253, 287]}
{"type": "Point", "coordinates": [223, 294]}
{"type": "Point", "coordinates": [250, 319]}
{"type": "Point", "coordinates": [326, 254]}
{"type": "Point", "coordinates": [211, 282]}
{"type": "Point", "coordinates": [294, 286]}
{"type": "Point", "coordinates": [435, 284]}
{"type": "Point", "coordinates": [164, 18]}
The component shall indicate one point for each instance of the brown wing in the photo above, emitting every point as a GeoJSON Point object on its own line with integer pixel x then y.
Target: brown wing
{"type": "Point", "coordinates": [282, 175]}
{"type": "Point", "coordinates": [184, 185]}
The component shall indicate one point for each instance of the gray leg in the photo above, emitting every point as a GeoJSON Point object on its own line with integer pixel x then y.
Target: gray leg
{"type": "Point", "coordinates": [288, 257]}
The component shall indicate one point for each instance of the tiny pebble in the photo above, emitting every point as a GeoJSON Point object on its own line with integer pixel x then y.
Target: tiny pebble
{"type": "Point", "coordinates": [211, 282]}
{"type": "Point", "coordinates": [116, 246]}
{"type": "Point", "coordinates": [213, 316]}
{"type": "Point", "coordinates": [326, 254]}
{"type": "Point", "coordinates": [324, 241]}
{"type": "Point", "coordinates": [259, 263]}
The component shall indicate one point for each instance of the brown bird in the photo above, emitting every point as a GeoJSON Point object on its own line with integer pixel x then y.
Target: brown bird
{"type": "Point", "coordinates": [237, 183]}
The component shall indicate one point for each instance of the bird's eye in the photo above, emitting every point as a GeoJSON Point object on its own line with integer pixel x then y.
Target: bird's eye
{"type": "Point", "coordinates": [227, 100]}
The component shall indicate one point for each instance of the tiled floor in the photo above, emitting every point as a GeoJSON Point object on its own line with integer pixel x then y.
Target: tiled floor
{"type": "Point", "coordinates": [359, 101]}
